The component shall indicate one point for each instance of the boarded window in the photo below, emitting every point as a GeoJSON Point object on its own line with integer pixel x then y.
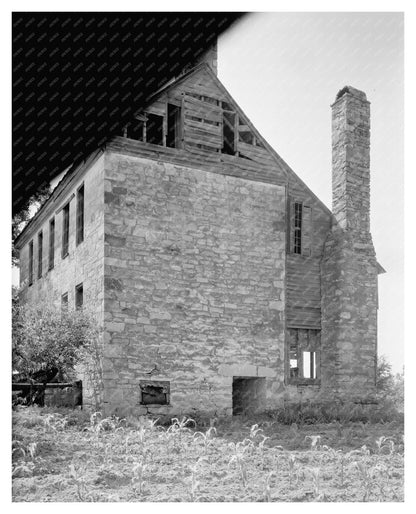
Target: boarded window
{"type": "Point", "coordinates": [40, 253]}
{"type": "Point", "coordinates": [155, 392]}
{"type": "Point", "coordinates": [65, 230]}
{"type": "Point", "coordinates": [154, 129]}
{"type": "Point", "coordinates": [51, 243]}
{"type": "Point", "coordinates": [80, 215]}
{"type": "Point", "coordinates": [174, 132]}
{"type": "Point", "coordinates": [79, 296]}
{"type": "Point", "coordinates": [303, 349]}
{"type": "Point", "coordinates": [31, 263]}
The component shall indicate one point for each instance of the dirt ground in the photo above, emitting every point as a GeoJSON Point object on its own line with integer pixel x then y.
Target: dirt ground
{"type": "Point", "coordinates": [65, 456]}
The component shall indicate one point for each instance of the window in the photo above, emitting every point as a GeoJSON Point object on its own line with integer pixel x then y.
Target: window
{"type": "Point", "coordinates": [228, 132]}
{"type": "Point", "coordinates": [297, 239]}
{"type": "Point", "coordinates": [79, 296]}
{"type": "Point", "coordinates": [135, 130]}
{"type": "Point", "coordinates": [174, 136]}
{"type": "Point", "coordinates": [51, 243]}
{"type": "Point", "coordinates": [154, 129]}
{"type": "Point", "coordinates": [64, 302]}
{"type": "Point", "coordinates": [154, 393]}
{"type": "Point", "coordinates": [40, 253]}
{"type": "Point", "coordinates": [80, 215]}
{"type": "Point", "coordinates": [65, 231]}
{"type": "Point", "coordinates": [31, 263]}
{"type": "Point", "coordinates": [300, 228]}
{"type": "Point", "coordinates": [303, 355]}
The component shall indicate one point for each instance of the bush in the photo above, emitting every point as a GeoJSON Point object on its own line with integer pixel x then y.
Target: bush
{"type": "Point", "coordinates": [46, 342]}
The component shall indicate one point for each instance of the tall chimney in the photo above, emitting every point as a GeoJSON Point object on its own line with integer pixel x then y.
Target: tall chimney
{"type": "Point", "coordinates": [348, 265]}
{"type": "Point", "coordinates": [211, 58]}
{"type": "Point", "coordinates": [351, 161]}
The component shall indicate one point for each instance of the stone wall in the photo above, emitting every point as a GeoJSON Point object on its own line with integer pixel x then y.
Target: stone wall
{"type": "Point", "coordinates": [84, 263]}
{"type": "Point", "coordinates": [194, 285]}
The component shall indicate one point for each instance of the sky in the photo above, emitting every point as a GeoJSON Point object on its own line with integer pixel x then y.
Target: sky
{"type": "Point", "coordinates": [284, 70]}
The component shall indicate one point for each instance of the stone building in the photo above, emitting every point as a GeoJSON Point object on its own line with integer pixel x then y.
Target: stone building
{"type": "Point", "coordinates": [219, 281]}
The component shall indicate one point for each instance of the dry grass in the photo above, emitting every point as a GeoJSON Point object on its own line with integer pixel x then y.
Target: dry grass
{"type": "Point", "coordinates": [67, 456]}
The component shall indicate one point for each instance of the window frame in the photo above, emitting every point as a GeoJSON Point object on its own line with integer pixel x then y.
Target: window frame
{"type": "Point", "coordinates": [65, 230]}
{"type": "Point", "coordinates": [30, 271]}
{"type": "Point", "coordinates": [51, 255]}
{"type": "Point", "coordinates": [40, 254]}
{"type": "Point", "coordinates": [297, 227]}
{"type": "Point", "coordinates": [79, 293]}
{"type": "Point", "coordinates": [64, 302]}
{"type": "Point", "coordinates": [80, 215]}
{"type": "Point", "coordinates": [313, 346]}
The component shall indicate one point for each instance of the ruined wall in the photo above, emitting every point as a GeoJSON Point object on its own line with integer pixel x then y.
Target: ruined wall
{"type": "Point", "coordinates": [84, 263]}
{"type": "Point", "coordinates": [194, 284]}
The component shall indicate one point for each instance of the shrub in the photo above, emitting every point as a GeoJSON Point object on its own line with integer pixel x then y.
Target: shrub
{"type": "Point", "coordinates": [45, 341]}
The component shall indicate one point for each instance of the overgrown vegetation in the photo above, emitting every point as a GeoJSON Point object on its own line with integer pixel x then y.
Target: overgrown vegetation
{"type": "Point", "coordinates": [46, 342]}
{"type": "Point", "coordinates": [69, 456]}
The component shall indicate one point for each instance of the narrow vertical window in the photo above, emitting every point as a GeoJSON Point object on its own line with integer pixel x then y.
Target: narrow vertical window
{"type": "Point", "coordinates": [79, 296]}
{"type": "Point", "coordinates": [173, 136]}
{"type": "Point", "coordinates": [297, 235]}
{"type": "Point", "coordinates": [40, 253]}
{"type": "Point", "coordinates": [228, 132]}
{"type": "Point", "coordinates": [80, 215]}
{"type": "Point", "coordinates": [65, 230]}
{"type": "Point", "coordinates": [31, 263]}
{"type": "Point", "coordinates": [51, 243]}
{"type": "Point", "coordinates": [64, 302]}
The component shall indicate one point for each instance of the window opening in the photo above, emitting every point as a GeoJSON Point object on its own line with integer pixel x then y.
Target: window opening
{"type": "Point", "coordinates": [51, 243]}
{"type": "Point", "coordinates": [154, 393]}
{"type": "Point", "coordinates": [79, 296]}
{"type": "Point", "coordinates": [173, 136]}
{"type": "Point", "coordinates": [64, 302]}
{"type": "Point", "coordinates": [154, 129]}
{"type": "Point", "coordinates": [228, 132]}
{"type": "Point", "coordinates": [80, 215]}
{"type": "Point", "coordinates": [65, 230]}
{"type": "Point", "coordinates": [40, 253]}
{"type": "Point", "coordinates": [31, 263]}
{"type": "Point", "coordinates": [298, 228]}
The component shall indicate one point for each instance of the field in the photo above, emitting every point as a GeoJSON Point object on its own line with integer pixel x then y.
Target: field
{"type": "Point", "coordinates": [68, 456]}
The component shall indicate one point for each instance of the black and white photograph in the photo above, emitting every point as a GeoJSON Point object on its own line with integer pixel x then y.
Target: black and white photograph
{"type": "Point", "coordinates": [207, 213]}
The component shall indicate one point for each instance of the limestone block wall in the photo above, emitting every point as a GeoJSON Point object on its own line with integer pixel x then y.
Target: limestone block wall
{"type": "Point", "coordinates": [349, 319]}
{"type": "Point", "coordinates": [194, 285]}
{"type": "Point", "coordinates": [84, 263]}
{"type": "Point", "coordinates": [349, 267]}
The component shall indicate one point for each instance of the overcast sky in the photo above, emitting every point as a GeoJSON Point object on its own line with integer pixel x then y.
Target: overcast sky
{"type": "Point", "coordinates": [284, 70]}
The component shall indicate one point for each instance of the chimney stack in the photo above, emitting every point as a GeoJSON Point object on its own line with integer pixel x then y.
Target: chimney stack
{"type": "Point", "coordinates": [351, 161]}
{"type": "Point", "coordinates": [348, 265]}
{"type": "Point", "coordinates": [211, 58]}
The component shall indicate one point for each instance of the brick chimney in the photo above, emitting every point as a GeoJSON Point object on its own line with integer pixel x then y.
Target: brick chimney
{"type": "Point", "coordinates": [351, 161]}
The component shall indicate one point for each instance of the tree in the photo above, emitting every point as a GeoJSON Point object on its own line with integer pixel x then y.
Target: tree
{"type": "Point", "coordinates": [20, 219]}
{"type": "Point", "coordinates": [390, 387]}
{"type": "Point", "coordinates": [46, 342]}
